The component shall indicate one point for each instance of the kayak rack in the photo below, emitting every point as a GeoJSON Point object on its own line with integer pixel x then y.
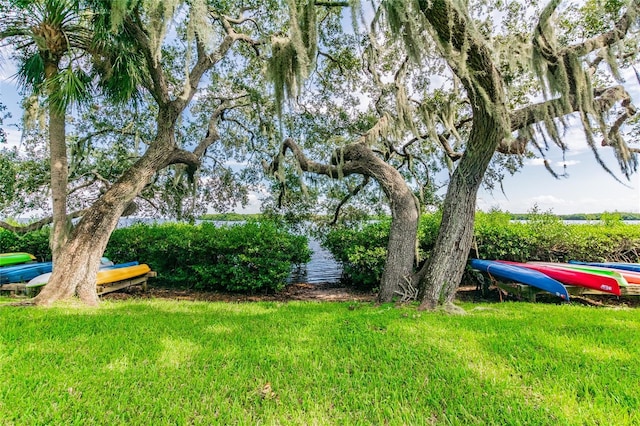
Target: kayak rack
{"type": "Point", "coordinates": [523, 291]}
{"type": "Point", "coordinates": [20, 288]}
{"type": "Point", "coordinates": [119, 285]}
{"type": "Point", "coordinates": [529, 293]}
{"type": "Point", "coordinates": [630, 290]}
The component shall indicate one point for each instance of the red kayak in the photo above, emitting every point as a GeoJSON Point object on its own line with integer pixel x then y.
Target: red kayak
{"type": "Point", "coordinates": [573, 277]}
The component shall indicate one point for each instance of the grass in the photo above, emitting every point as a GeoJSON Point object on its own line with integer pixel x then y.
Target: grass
{"type": "Point", "coordinates": [173, 363]}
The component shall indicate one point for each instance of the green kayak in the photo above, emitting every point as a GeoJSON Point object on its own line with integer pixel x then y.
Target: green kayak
{"type": "Point", "coordinates": [622, 282]}
{"type": "Point", "coordinates": [15, 258]}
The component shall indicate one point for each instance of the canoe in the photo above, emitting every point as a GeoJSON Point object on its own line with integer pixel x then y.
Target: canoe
{"type": "Point", "coordinates": [41, 280]}
{"type": "Point", "coordinates": [21, 273]}
{"type": "Point", "coordinates": [112, 275]}
{"type": "Point", "coordinates": [631, 277]}
{"type": "Point", "coordinates": [522, 275]}
{"type": "Point", "coordinates": [574, 277]}
{"type": "Point", "coordinates": [634, 267]}
{"type": "Point", "coordinates": [618, 274]}
{"type": "Point", "coordinates": [15, 258]}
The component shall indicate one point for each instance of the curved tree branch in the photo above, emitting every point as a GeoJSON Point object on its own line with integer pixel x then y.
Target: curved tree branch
{"type": "Point", "coordinates": [346, 199]}
{"type": "Point", "coordinates": [23, 229]}
{"type": "Point", "coordinates": [612, 36]}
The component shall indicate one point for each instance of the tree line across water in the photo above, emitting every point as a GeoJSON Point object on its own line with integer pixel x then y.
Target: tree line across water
{"type": "Point", "coordinates": [584, 216]}
{"type": "Point", "coordinates": [604, 216]}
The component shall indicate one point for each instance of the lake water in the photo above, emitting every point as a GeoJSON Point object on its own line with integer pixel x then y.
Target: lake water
{"type": "Point", "coordinates": [322, 268]}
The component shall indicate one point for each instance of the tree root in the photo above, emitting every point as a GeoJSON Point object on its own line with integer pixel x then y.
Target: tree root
{"type": "Point", "coordinates": [452, 309]}
{"type": "Point", "coordinates": [408, 293]}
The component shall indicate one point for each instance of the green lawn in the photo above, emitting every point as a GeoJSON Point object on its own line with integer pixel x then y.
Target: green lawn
{"type": "Point", "coordinates": [178, 363]}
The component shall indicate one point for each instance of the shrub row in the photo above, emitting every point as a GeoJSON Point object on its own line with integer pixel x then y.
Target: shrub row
{"type": "Point", "coordinates": [256, 256]}
{"type": "Point", "coordinates": [36, 243]}
{"type": "Point", "coordinates": [544, 237]}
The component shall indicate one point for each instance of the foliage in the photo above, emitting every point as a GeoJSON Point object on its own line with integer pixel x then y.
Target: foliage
{"type": "Point", "coordinates": [230, 217]}
{"type": "Point", "coordinates": [180, 362]}
{"type": "Point", "coordinates": [36, 243]}
{"type": "Point", "coordinates": [546, 238]}
{"type": "Point", "coordinates": [543, 237]}
{"type": "Point", "coordinates": [256, 256]}
{"type": "Point", "coordinates": [362, 251]}
{"type": "Point", "coordinates": [362, 248]}
{"type": "Point", "coordinates": [584, 216]}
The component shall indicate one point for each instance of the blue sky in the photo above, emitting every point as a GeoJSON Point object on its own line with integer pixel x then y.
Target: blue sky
{"type": "Point", "coordinates": [587, 189]}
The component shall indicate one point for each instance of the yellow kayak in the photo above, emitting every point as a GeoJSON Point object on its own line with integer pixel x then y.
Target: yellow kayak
{"type": "Point", "coordinates": [106, 276]}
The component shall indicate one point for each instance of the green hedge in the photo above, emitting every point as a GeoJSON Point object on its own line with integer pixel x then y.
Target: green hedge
{"type": "Point", "coordinates": [244, 258]}
{"type": "Point", "coordinates": [256, 256]}
{"type": "Point", "coordinates": [36, 243]}
{"type": "Point", "coordinates": [544, 237]}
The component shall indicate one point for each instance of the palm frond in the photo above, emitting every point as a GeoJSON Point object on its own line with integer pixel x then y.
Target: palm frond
{"type": "Point", "coordinates": [30, 75]}
{"type": "Point", "coordinates": [67, 87]}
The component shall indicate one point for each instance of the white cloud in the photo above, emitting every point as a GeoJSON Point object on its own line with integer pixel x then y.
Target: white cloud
{"type": "Point", "coordinates": [254, 203]}
{"type": "Point", "coordinates": [13, 138]}
{"type": "Point", "coordinates": [536, 162]}
{"type": "Point", "coordinates": [547, 199]}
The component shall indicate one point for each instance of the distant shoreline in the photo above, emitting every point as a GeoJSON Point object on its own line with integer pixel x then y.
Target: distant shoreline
{"type": "Point", "coordinates": [604, 216]}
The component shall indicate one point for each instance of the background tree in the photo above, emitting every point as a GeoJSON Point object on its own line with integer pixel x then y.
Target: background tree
{"type": "Point", "coordinates": [224, 38]}
{"type": "Point", "coordinates": [50, 38]}
{"type": "Point", "coordinates": [485, 107]}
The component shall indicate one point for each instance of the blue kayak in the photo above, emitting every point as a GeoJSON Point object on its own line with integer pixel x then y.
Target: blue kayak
{"type": "Point", "coordinates": [26, 272]}
{"type": "Point", "coordinates": [42, 279]}
{"type": "Point", "coordinates": [20, 273]}
{"type": "Point", "coordinates": [522, 275]}
{"type": "Point", "coordinates": [634, 267]}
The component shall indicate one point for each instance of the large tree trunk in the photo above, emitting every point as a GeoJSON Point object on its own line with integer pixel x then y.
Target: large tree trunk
{"type": "Point", "coordinates": [405, 212]}
{"type": "Point", "coordinates": [78, 262]}
{"type": "Point", "coordinates": [358, 158]}
{"type": "Point", "coordinates": [59, 171]}
{"type": "Point", "coordinates": [442, 273]}
{"type": "Point", "coordinates": [471, 60]}
{"type": "Point", "coordinates": [401, 248]}
{"type": "Point", "coordinates": [59, 180]}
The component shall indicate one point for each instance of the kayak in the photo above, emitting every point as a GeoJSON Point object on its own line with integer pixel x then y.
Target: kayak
{"type": "Point", "coordinates": [574, 277]}
{"type": "Point", "coordinates": [618, 274]}
{"type": "Point", "coordinates": [15, 258]}
{"type": "Point", "coordinates": [522, 275]}
{"type": "Point", "coordinates": [105, 274]}
{"type": "Point", "coordinates": [635, 267]}
{"type": "Point", "coordinates": [112, 275]}
{"type": "Point", "coordinates": [20, 273]}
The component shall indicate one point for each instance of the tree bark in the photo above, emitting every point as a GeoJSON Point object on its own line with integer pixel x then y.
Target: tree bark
{"type": "Point", "coordinates": [59, 172]}
{"type": "Point", "coordinates": [405, 212]}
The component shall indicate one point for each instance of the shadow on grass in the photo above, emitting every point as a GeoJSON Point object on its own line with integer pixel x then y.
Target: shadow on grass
{"type": "Point", "coordinates": [273, 362]}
